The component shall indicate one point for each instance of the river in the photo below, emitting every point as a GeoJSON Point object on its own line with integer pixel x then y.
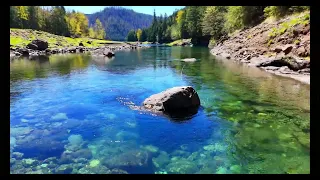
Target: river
{"type": "Point", "coordinates": [72, 114]}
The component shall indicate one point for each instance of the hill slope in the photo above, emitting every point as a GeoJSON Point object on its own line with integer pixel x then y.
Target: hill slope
{"type": "Point", "coordinates": [281, 47]}
{"type": "Point", "coordinates": [119, 21]}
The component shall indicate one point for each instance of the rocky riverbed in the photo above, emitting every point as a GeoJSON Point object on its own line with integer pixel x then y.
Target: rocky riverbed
{"type": "Point", "coordinates": [281, 47]}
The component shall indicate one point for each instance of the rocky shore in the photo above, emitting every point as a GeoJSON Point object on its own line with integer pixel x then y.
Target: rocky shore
{"type": "Point", "coordinates": [40, 48]}
{"type": "Point", "coordinates": [281, 47]}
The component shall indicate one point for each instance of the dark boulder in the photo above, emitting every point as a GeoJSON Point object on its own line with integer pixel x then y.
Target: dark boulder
{"type": "Point", "coordinates": [32, 46]}
{"type": "Point", "coordinates": [174, 100]}
{"type": "Point", "coordinates": [108, 53]}
{"type": "Point", "coordinates": [81, 44]}
{"type": "Point", "coordinates": [42, 45]}
{"type": "Point", "coordinates": [24, 51]}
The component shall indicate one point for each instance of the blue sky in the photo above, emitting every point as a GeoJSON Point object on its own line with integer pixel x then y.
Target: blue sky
{"type": "Point", "coordinates": [141, 9]}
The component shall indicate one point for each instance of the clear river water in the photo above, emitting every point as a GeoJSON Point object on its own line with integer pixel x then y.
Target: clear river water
{"type": "Point", "coordinates": [73, 114]}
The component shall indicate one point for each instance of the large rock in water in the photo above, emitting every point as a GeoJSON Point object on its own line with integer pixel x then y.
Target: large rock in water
{"type": "Point", "coordinates": [174, 100]}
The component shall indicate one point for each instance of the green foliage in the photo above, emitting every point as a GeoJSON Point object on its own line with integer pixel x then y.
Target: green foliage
{"type": "Point", "coordinates": [175, 33]}
{"type": "Point", "coordinates": [139, 33]}
{"type": "Point", "coordinates": [276, 11]}
{"type": "Point", "coordinates": [297, 41]}
{"type": "Point", "coordinates": [132, 36]}
{"type": "Point", "coordinates": [144, 35]}
{"type": "Point", "coordinates": [91, 33]}
{"type": "Point", "coordinates": [213, 21]}
{"type": "Point", "coordinates": [193, 18]}
{"type": "Point", "coordinates": [270, 41]}
{"type": "Point", "coordinates": [22, 37]}
{"type": "Point", "coordinates": [53, 20]}
{"type": "Point", "coordinates": [234, 18]}
{"type": "Point", "coordinates": [99, 30]}
{"type": "Point", "coordinates": [239, 17]}
{"type": "Point", "coordinates": [287, 26]}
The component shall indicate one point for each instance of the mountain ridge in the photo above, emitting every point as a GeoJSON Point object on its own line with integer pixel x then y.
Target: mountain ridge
{"type": "Point", "coordinates": [118, 21]}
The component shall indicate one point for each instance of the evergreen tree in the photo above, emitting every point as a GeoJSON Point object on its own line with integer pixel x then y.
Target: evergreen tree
{"type": "Point", "coordinates": [33, 17]}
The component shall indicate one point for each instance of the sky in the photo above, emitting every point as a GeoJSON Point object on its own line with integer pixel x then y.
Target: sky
{"type": "Point", "coordinates": [141, 9]}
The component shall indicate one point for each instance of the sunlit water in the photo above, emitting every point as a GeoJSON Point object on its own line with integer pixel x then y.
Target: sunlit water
{"type": "Point", "coordinates": [72, 114]}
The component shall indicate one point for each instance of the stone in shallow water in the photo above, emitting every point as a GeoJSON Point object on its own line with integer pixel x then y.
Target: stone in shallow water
{"type": "Point", "coordinates": [221, 170]}
{"type": "Point", "coordinates": [59, 117]}
{"type": "Point", "coordinates": [17, 155]}
{"type": "Point", "coordinates": [133, 161]}
{"type": "Point", "coordinates": [75, 139]}
{"type": "Point", "coordinates": [174, 101]}
{"type": "Point", "coordinates": [151, 148]}
{"type": "Point", "coordinates": [24, 120]}
{"type": "Point", "coordinates": [18, 131]}
{"type": "Point", "coordinates": [217, 147]}
{"type": "Point", "coordinates": [162, 160]}
{"type": "Point", "coordinates": [29, 162]}
{"type": "Point", "coordinates": [126, 135]}
{"type": "Point", "coordinates": [182, 166]}
{"type": "Point", "coordinates": [235, 169]}
{"type": "Point", "coordinates": [94, 163]}
{"type": "Point", "coordinates": [64, 169]}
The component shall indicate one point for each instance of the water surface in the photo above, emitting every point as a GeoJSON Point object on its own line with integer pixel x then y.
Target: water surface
{"type": "Point", "coordinates": [72, 114]}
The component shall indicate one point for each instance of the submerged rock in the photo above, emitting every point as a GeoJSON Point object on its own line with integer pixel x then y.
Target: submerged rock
{"type": "Point", "coordinates": [94, 163]}
{"type": "Point", "coordinates": [132, 160]}
{"type": "Point", "coordinates": [59, 117]}
{"type": "Point", "coordinates": [182, 166]}
{"type": "Point", "coordinates": [64, 169]}
{"type": "Point", "coordinates": [162, 160]}
{"type": "Point", "coordinates": [189, 60]}
{"type": "Point", "coordinates": [174, 100]}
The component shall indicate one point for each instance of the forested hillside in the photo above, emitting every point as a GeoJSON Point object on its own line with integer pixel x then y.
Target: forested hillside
{"type": "Point", "coordinates": [119, 21]}
{"type": "Point", "coordinates": [204, 23]}
{"type": "Point", "coordinates": [55, 20]}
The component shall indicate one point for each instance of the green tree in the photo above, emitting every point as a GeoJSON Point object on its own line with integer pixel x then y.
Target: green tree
{"type": "Point", "coordinates": [132, 36]}
{"type": "Point", "coordinates": [58, 21]}
{"type": "Point", "coordinates": [276, 11]}
{"type": "Point", "coordinates": [139, 34]}
{"type": "Point", "coordinates": [13, 17]}
{"type": "Point", "coordinates": [193, 20]}
{"type": "Point", "coordinates": [144, 35]}
{"type": "Point", "coordinates": [213, 21]}
{"type": "Point", "coordinates": [34, 17]}
{"type": "Point", "coordinates": [99, 30]}
{"type": "Point", "coordinates": [22, 16]}
{"type": "Point", "coordinates": [91, 33]}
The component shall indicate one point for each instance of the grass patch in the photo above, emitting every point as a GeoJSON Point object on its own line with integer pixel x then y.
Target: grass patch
{"type": "Point", "coordinates": [288, 26]}
{"type": "Point", "coordinates": [22, 37]}
{"type": "Point", "coordinates": [270, 42]}
{"type": "Point", "coordinates": [176, 42]}
{"type": "Point", "coordinates": [297, 42]}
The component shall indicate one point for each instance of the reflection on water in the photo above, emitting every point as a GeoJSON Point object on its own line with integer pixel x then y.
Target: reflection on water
{"type": "Point", "coordinates": [71, 114]}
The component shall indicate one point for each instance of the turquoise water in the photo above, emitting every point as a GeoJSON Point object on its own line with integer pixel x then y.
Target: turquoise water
{"type": "Point", "coordinates": [73, 114]}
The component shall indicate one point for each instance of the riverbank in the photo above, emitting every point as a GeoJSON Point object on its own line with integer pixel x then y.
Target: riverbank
{"type": "Point", "coordinates": [30, 43]}
{"type": "Point", "coordinates": [281, 47]}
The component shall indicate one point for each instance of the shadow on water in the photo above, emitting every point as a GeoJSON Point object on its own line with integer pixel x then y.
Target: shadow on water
{"type": "Point", "coordinates": [181, 116]}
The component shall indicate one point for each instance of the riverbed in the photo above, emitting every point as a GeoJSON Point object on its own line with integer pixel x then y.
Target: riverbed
{"type": "Point", "coordinates": [73, 114]}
